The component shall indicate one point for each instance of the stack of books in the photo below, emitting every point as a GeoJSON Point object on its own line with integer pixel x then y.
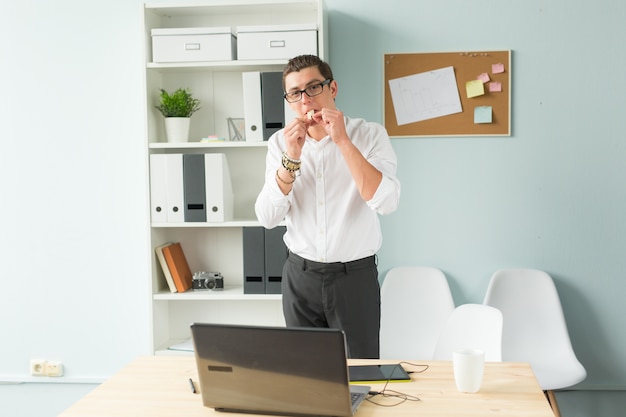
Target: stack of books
{"type": "Point", "coordinates": [175, 267]}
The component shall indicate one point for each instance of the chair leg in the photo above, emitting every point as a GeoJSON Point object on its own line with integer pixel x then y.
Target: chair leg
{"type": "Point", "coordinates": [552, 401]}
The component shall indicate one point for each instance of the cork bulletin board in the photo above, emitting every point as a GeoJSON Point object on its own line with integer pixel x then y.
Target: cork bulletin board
{"type": "Point", "coordinates": [447, 94]}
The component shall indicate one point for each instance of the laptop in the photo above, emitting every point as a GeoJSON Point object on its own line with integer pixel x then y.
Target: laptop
{"type": "Point", "coordinates": [275, 370]}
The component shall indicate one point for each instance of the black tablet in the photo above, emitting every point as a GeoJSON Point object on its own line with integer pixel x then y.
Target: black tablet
{"type": "Point", "coordinates": [378, 373]}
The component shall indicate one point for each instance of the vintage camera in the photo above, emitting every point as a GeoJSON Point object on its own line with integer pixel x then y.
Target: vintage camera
{"type": "Point", "coordinates": [207, 281]}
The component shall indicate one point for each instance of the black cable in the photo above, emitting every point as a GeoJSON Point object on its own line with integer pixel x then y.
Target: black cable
{"type": "Point", "coordinates": [387, 393]}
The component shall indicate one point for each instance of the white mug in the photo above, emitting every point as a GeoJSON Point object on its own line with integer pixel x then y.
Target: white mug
{"type": "Point", "coordinates": [468, 369]}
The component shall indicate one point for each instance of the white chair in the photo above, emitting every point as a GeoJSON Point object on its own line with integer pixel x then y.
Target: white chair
{"type": "Point", "coordinates": [415, 304]}
{"type": "Point", "coordinates": [475, 326]}
{"type": "Point", "coordinates": [534, 328]}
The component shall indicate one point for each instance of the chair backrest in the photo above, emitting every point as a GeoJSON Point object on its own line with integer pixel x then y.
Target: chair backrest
{"type": "Point", "coordinates": [534, 327]}
{"type": "Point", "coordinates": [475, 326]}
{"type": "Point", "coordinates": [415, 304]}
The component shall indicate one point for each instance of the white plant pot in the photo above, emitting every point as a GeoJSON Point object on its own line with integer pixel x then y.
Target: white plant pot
{"type": "Point", "coordinates": [177, 129]}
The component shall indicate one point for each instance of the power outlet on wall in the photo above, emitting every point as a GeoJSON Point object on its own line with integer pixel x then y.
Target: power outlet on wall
{"type": "Point", "coordinates": [38, 367]}
{"type": "Point", "coordinates": [54, 368]}
{"type": "Point", "coordinates": [42, 367]}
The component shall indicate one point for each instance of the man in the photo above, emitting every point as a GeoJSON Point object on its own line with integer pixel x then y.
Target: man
{"type": "Point", "coordinates": [329, 177]}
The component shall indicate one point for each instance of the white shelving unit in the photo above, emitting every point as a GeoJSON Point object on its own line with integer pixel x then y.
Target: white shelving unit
{"type": "Point", "coordinates": [214, 246]}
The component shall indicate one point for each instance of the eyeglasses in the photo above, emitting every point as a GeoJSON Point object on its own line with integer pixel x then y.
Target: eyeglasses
{"type": "Point", "coordinates": [311, 91]}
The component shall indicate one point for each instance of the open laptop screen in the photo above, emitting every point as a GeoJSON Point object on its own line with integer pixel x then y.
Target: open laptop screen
{"type": "Point", "coordinates": [272, 370]}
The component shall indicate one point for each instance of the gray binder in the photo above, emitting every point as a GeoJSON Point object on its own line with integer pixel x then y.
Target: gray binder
{"type": "Point", "coordinates": [253, 260]}
{"type": "Point", "coordinates": [194, 187]}
{"type": "Point", "coordinates": [272, 102]}
{"type": "Point", "coordinates": [275, 257]}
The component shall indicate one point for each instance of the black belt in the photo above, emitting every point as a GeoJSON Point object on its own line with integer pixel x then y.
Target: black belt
{"type": "Point", "coordinates": [330, 267]}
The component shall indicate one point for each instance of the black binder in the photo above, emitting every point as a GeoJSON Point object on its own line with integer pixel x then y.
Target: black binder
{"type": "Point", "coordinates": [272, 103]}
{"type": "Point", "coordinates": [275, 257]}
{"type": "Point", "coordinates": [253, 260]}
{"type": "Point", "coordinates": [194, 187]}
{"type": "Point", "coordinates": [264, 255]}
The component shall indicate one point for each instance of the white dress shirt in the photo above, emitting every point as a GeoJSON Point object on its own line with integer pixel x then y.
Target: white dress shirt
{"type": "Point", "coordinates": [326, 218]}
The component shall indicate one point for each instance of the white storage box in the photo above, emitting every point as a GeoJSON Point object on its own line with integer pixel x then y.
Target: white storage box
{"type": "Point", "coordinates": [193, 44]}
{"type": "Point", "coordinates": [276, 42]}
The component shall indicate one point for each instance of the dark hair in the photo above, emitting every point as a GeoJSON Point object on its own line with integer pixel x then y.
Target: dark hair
{"type": "Point", "coordinates": [301, 62]}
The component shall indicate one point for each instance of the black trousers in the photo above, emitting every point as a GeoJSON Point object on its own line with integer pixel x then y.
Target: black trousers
{"type": "Point", "coordinates": [338, 295]}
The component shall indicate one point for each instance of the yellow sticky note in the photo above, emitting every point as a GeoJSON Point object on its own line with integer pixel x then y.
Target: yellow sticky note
{"type": "Point", "coordinates": [474, 88]}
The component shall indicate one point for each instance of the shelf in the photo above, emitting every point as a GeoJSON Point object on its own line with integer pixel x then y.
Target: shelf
{"type": "Point", "coordinates": [253, 65]}
{"type": "Point", "coordinates": [169, 352]}
{"type": "Point", "coordinates": [219, 85]}
{"type": "Point", "coordinates": [164, 349]}
{"type": "Point", "coordinates": [208, 145]}
{"type": "Point", "coordinates": [227, 294]}
{"type": "Point", "coordinates": [233, 223]}
{"type": "Point", "coordinates": [248, 7]}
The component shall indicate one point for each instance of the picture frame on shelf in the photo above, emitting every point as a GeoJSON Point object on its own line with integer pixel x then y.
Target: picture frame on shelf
{"type": "Point", "coordinates": [236, 129]}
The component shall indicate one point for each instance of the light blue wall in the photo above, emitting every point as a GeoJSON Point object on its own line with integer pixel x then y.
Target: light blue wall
{"type": "Point", "coordinates": [551, 196]}
{"type": "Point", "coordinates": [73, 187]}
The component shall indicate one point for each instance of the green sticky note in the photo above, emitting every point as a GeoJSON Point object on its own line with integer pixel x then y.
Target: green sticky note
{"type": "Point", "coordinates": [482, 114]}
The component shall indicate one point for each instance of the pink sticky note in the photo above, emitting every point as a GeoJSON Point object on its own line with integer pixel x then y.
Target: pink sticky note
{"type": "Point", "coordinates": [484, 77]}
{"type": "Point", "coordinates": [497, 68]}
{"type": "Point", "coordinates": [495, 87]}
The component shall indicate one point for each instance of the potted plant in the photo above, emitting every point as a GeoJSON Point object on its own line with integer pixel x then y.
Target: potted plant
{"type": "Point", "coordinates": [177, 108]}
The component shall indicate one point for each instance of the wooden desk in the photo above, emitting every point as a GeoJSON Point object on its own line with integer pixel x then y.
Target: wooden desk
{"type": "Point", "coordinates": [158, 386]}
